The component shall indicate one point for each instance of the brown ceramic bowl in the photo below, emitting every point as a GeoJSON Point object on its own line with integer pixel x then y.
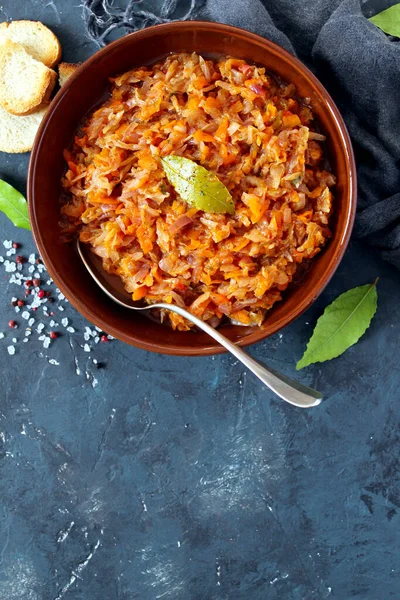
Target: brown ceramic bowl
{"type": "Point", "coordinates": [85, 88]}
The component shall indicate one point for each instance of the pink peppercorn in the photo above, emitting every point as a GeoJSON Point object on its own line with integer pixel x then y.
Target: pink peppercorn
{"type": "Point", "coordinates": [29, 283]}
{"type": "Point", "coordinates": [36, 282]}
{"type": "Point", "coordinates": [53, 335]}
{"type": "Point", "coordinates": [20, 303]}
{"type": "Point", "coordinates": [12, 324]}
{"type": "Point", "coordinates": [20, 259]}
{"type": "Point", "coordinates": [15, 245]}
{"type": "Point", "coordinates": [104, 338]}
{"type": "Point", "coordinates": [41, 294]}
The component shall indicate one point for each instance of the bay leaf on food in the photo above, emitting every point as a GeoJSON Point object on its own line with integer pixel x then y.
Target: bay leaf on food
{"type": "Point", "coordinates": [197, 186]}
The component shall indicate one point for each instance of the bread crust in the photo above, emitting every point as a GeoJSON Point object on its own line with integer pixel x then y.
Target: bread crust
{"type": "Point", "coordinates": [24, 103]}
{"type": "Point", "coordinates": [65, 70]}
{"type": "Point", "coordinates": [47, 48]}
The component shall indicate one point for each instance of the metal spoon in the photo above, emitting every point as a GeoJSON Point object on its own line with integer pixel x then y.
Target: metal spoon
{"type": "Point", "coordinates": [287, 389]}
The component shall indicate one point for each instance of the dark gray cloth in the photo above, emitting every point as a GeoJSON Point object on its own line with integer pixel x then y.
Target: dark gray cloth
{"type": "Point", "coordinates": [358, 64]}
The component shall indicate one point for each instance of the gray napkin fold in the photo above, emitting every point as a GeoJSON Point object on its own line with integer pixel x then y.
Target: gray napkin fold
{"type": "Point", "coordinates": [358, 64]}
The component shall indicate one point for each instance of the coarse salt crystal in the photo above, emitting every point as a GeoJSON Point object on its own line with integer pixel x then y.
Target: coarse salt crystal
{"type": "Point", "coordinates": [31, 259]}
{"type": "Point", "coordinates": [28, 332]}
{"type": "Point", "coordinates": [7, 243]}
{"type": "Point", "coordinates": [1, 259]}
{"type": "Point", "coordinates": [95, 361]}
{"type": "Point", "coordinates": [70, 329]}
{"type": "Point", "coordinates": [53, 361]}
{"type": "Point", "coordinates": [52, 323]}
{"type": "Point", "coordinates": [1, 336]}
{"type": "Point", "coordinates": [25, 315]}
{"type": "Point", "coordinates": [41, 338]}
{"type": "Point", "coordinates": [10, 267]}
{"type": "Point", "coordinates": [31, 321]}
{"type": "Point", "coordinates": [64, 322]}
{"type": "Point", "coordinates": [86, 336]}
{"type": "Point", "coordinates": [17, 309]}
{"type": "Point", "coordinates": [25, 340]}
{"type": "Point", "coordinates": [31, 269]}
{"type": "Point", "coordinates": [61, 296]}
{"type": "Point", "coordinates": [36, 274]}
{"type": "Point", "coordinates": [98, 328]}
{"type": "Point", "coordinates": [46, 342]}
{"type": "Point", "coordinates": [96, 339]}
{"type": "Point", "coordinates": [40, 327]}
{"type": "Point", "coordinates": [86, 348]}
{"type": "Point", "coordinates": [11, 350]}
{"type": "Point", "coordinates": [61, 308]}
{"type": "Point", "coordinates": [35, 302]}
{"type": "Point", "coordinates": [14, 340]}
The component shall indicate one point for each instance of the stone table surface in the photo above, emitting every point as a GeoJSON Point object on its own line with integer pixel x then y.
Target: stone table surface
{"type": "Point", "coordinates": [159, 477]}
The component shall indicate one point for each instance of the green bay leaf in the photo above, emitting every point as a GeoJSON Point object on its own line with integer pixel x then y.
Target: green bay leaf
{"type": "Point", "coordinates": [342, 324]}
{"type": "Point", "coordinates": [388, 20]}
{"type": "Point", "coordinates": [14, 205]}
{"type": "Point", "coordinates": [197, 186]}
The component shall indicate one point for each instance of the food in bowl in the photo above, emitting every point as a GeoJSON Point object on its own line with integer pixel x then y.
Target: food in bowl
{"type": "Point", "coordinates": [251, 133]}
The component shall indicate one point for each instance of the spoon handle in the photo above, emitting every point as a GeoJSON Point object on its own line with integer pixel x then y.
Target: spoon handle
{"type": "Point", "coordinates": [287, 389]}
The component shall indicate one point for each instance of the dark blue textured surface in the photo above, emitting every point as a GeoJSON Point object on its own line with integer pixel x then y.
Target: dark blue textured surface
{"type": "Point", "coordinates": [184, 479]}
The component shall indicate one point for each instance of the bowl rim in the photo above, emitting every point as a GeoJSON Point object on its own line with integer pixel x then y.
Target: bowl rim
{"type": "Point", "coordinates": [258, 334]}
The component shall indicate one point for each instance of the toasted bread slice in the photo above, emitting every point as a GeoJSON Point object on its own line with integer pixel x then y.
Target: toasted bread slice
{"type": "Point", "coordinates": [36, 38]}
{"type": "Point", "coordinates": [17, 134]}
{"type": "Point", "coordinates": [65, 71]}
{"type": "Point", "coordinates": [25, 83]}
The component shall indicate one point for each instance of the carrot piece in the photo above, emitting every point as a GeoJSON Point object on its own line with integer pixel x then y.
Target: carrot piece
{"type": "Point", "coordinates": [315, 193]}
{"type": "Point", "coordinates": [222, 131]}
{"type": "Point", "coordinates": [193, 103]}
{"type": "Point", "coordinates": [200, 82]}
{"type": "Point", "coordinates": [305, 216]}
{"type": "Point", "coordinates": [202, 136]}
{"type": "Point", "coordinates": [242, 316]}
{"type": "Point", "coordinates": [291, 120]}
{"type": "Point", "coordinates": [139, 293]}
{"type": "Point", "coordinates": [230, 159]}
